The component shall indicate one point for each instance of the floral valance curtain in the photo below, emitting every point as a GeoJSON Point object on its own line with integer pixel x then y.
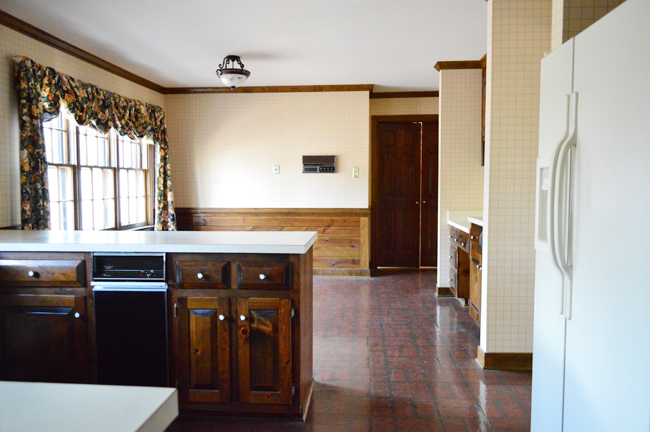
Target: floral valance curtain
{"type": "Point", "coordinates": [41, 90]}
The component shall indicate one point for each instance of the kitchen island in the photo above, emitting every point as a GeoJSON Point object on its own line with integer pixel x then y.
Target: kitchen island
{"type": "Point", "coordinates": [239, 313]}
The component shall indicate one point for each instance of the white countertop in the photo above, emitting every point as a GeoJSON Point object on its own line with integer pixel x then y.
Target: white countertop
{"type": "Point", "coordinates": [85, 407]}
{"type": "Point", "coordinates": [463, 219]}
{"type": "Point", "coordinates": [285, 242]}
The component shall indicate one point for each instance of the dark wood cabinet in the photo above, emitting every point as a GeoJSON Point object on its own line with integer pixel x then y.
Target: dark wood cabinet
{"type": "Point", "coordinates": [459, 263]}
{"type": "Point", "coordinates": [244, 346]}
{"type": "Point", "coordinates": [476, 273]}
{"type": "Point", "coordinates": [43, 319]}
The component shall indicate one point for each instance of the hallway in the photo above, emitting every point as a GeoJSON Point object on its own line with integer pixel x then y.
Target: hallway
{"type": "Point", "coordinates": [390, 356]}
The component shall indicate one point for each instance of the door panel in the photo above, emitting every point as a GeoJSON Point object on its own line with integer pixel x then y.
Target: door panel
{"type": "Point", "coordinates": [265, 350]}
{"type": "Point", "coordinates": [397, 218]}
{"type": "Point", "coordinates": [429, 195]}
{"type": "Point", "coordinates": [204, 339]}
{"type": "Point", "coordinates": [43, 338]}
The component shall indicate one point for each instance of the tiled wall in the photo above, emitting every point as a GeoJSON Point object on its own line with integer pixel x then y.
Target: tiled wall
{"type": "Point", "coordinates": [404, 106]}
{"type": "Point", "coordinates": [13, 44]}
{"type": "Point", "coordinates": [223, 148]}
{"type": "Point", "coordinates": [460, 173]}
{"type": "Point", "coordinates": [570, 17]}
{"type": "Point", "coordinates": [519, 32]}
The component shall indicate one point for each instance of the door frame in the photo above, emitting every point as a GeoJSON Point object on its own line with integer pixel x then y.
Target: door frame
{"type": "Point", "coordinates": [374, 157]}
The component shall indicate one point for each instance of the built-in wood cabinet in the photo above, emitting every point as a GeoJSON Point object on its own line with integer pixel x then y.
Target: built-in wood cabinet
{"type": "Point", "coordinates": [459, 263]}
{"type": "Point", "coordinates": [241, 332]}
{"type": "Point", "coordinates": [476, 273]}
{"type": "Point", "coordinates": [43, 319]}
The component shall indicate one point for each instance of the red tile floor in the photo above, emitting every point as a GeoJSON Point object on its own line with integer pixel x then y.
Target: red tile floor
{"type": "Point", "coordinates": [391, 356]}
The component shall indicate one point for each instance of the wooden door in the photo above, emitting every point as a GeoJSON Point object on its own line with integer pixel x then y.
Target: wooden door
{"type": "Point", "coordinates": [43, 338]}
{"type": "Point", "coordinates": [204, 349]}
{"type": "Point", "coordinates": [396, 222]}
{"type": "Point", "coordinates": [264, 350]}
{"type": "Point", "coordinates": [429, 196]}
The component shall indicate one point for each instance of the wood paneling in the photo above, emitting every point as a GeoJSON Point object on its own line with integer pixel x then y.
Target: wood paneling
{"type": "Point", "coordinates": [268, 89]}
{"type": "Point", "coordinates": [411, 94]}
{"type": "Point", "coordinates": [342, 247]}
{"type": "Point", "coordinates": [505, 361]}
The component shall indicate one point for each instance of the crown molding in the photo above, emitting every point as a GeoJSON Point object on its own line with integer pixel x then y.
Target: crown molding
{"type": "Point", "coordinates": [405, 94]}
{"type": "Point", "coordinates": [267, 89]}
{"type": "Point", "coordinates": [467, 64]}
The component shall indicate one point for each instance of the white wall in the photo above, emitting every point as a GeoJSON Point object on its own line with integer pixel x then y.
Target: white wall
{"type": "Point", "coordinates": [13, 44]}
{"type": "Point", "coordinates": [461, 173]}
{"type": "Point", "coordinates": [404, 106]}
{"type": "Point", "coordinates": [223, 147]}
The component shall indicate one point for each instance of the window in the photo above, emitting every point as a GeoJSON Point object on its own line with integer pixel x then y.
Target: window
{"type": "Point", "coordinates": [97, 181]}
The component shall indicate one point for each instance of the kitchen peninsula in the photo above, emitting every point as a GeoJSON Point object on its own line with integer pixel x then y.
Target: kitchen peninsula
{"type": "Point", "coordinates": [238, 312]}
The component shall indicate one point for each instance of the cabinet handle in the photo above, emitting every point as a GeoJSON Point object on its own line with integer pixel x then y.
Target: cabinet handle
{"type": "Point", "coordinates": [449, 256]}
{"type": "Point", "coordinates": [472, 237]}
{"type": "Point", "coordinates": [417, 202]}
{"type": "Point", "coordinates": [262, 277]}
{"type": "Point", "coordinates": [175, 310]}
{"type": "Point", "coordinates": [424, 202]}
{"type": "Point", "coordinates": [221, 317]}
{"type": "Point", "coordinates": [480, 267]}
{"type": "Point", "coordinates": [77, 315]}
{"type": "Point", "coordinates": [242, 317]}
{"type": "Point", "coordinates": [199, 275]}
{"type": "Point", "coordinates": [32, 273]}
{"type": "Point", "coordinates": [449, 279]}
{"type": "Point", "coordinates": [451, 236]}
{"type": "Point", "coordinates": [462, 244]}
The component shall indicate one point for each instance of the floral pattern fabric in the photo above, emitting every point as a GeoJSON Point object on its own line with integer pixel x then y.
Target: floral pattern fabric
{"type": "Point", "coordinates": [41, 91]}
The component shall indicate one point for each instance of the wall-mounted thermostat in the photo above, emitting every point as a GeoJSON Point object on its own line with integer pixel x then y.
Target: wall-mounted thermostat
{"type": "Point", "coordinates": [319, 164]}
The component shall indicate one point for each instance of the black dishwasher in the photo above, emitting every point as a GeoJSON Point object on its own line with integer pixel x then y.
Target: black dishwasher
{"type": "Point", "coordinates": [130, 302]}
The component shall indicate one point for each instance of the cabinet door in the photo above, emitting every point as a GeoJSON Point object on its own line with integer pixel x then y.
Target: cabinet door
{"type": "Point", "coordinates": [43, 338]}
{"type": "Point", "coordinates": [265, 350]}
{"type": "Point", "coordinates": [475, 271]}
{"type": "Point", "coordinates": [204, 349]}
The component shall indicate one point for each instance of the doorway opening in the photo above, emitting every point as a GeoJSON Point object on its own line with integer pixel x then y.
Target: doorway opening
{"type": "Point", "coordinates": [404, 191]}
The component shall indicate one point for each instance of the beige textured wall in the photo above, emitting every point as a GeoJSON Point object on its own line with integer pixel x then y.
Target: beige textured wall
{"type": "Point", "coordinates": [404, 106]}
{"type": "Point", "coordinates": [461, 173]}
{"type": "Point", "coordinates": [519, 32]}
{"type": "Point", "coordinates": [13, 44]}
{"type": "Point", "coordinates": [223, 147]}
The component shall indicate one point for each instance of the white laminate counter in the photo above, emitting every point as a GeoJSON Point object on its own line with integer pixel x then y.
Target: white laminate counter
{"type": "Point", "coordinates": [85, 407]}
{"type": "Point", "coordinates": [463, 219]}
{"type": "Point", "coordinates": [283, 242]}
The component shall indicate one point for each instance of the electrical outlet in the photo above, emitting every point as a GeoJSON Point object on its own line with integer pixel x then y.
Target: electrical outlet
{"type": "Point", "coordinates": [355, 172]}
{"type": "Point", "coordinates": [276, 169]}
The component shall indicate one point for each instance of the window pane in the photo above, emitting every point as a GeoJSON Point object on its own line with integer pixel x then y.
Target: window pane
{"type": "Point", "coordinates": [67, 186]}
{"type": "Point", "coordinates": [53, 183]}
{"type": "Point", "coordinates": [55, 219]}
{"type": "Point", "coordinates": [109, 186]}
{"type": "Point", "coordinates": [83, 158]}
{"type": "Point", "coordinates": [133, 210]}
{"type": "Point", "coordinates": [92, 149]}
{"type": "Point", "coordinates": [67, 215]}
{"type": "Point", "coordinates": [87, 215]}
{"type": "Point", "coordinates": [99, 214]}
{"type": "Point", "coordinates": [127, 155]}
{"type": "Point", "coordinates": [124, 211]}
{"type": "Point", "coordinates": [142, 210]}
{"type": "Point", "coordinates": [109, 213]}
{"type": "Point", "coordinates": [86, 184]}
{"type": "Point", "coordinates": [136, 155]}
{"type": "Point", "coordinates": [133, 184]}
{"type": "Point", "coordinates": [98, 184]}
{"type": "Point", "coordinates": [140, 191]}
{"type": "Point", "coordinates": [124, 184]}
{"type": "Point", "coordinates": [120, 146]}
{"type": "Point", "coordinates": [47, 136]}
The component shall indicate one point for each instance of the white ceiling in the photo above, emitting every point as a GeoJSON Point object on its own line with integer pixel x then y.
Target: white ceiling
{"type": "Point", "coordinates": [175, 43]}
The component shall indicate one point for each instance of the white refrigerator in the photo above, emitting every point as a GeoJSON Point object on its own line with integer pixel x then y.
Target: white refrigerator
{"type": "Point", "coordinates": [591, 349]}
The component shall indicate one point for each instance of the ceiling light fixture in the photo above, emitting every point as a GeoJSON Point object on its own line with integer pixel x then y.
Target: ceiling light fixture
{"type": "Point", "coordinates": [229, 75]}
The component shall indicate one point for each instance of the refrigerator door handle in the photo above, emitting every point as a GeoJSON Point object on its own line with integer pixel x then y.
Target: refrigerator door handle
{"type": "Point", "coordinates": [562, 235]}
{"type": "Point", "coordinates": [552, 196]}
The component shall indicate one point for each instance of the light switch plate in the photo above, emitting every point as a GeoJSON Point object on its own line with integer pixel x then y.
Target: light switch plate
{"type": "Point", "coordinates": [355, 172]}
{"type": "Point", "coordinates": [276, 169]}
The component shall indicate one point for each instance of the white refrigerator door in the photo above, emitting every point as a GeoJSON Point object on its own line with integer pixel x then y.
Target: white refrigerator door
{"type": "Point", "coordinates": [549, 325]}
{"type": "Point", "coordinates": [607, 376]}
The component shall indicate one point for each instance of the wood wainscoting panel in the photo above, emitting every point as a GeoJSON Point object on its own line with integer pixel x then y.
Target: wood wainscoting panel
{"type": "Point", "coordinates": [342, 248]}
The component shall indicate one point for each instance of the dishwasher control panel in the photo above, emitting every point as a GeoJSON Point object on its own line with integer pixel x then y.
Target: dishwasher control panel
{"type": "Point", "coordinates": [116, 266]}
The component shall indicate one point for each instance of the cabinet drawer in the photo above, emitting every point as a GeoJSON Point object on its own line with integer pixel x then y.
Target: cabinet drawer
{"type": "Point", "coordinates": [452, 257]}
{"type": "Point", "coordinates": [202, 274]}
{"type": "Point", "coordinates": [263, 275]}
{"type": "Point", "coordinates": [43, 273]}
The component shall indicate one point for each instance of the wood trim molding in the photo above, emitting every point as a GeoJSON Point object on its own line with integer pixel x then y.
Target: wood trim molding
{"type": "Point", "coordinates": [403, 118]}
{"type": "Point", "coordinates": [483, 61]}
{"type": "Point", "coordinates": [468, 64]}
{"type": "Point", "coordinates": [12, 227]}
{"type": "Point", "coordinates": [35, 33]}
{"type": "Point", "coordinates": [334, 212]}
{"type": "Point", "coordinates": [268, 89]}
{"type": "Point", "coordinates": [505, 361]}
{"type": "Point", "coordinates": [412, 94]}
{"type": "Point", "coordinates": [444, 292]}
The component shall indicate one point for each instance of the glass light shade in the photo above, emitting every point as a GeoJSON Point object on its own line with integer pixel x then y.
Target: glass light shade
{"type": "Point", "coordinates": [233, 78]}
